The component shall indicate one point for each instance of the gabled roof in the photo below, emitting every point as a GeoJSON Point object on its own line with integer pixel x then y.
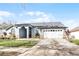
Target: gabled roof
{"type": "Point", "coordinates": [43, 24]}
{"type": "Point", "coordinates": [49, 24]}
{"type": "Point", "coordinates": [18, 25]}
{"type": "Point", "coordinates": [10, 26]}
{"type": "Point", "coordinates": [5, 26]}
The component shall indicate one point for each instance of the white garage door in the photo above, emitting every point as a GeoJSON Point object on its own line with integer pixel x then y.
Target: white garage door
{"type": "Point", "coordinates": [53, 34]}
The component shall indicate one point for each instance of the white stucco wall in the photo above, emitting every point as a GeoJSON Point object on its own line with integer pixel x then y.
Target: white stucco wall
{"type": "Point", "coordinates": [43, 34]}
{"type": "Point", "coordinates": [33, 32]}
{"type": "Point", "coordinates": [27, 31]}
{"type": "Point", "coordinates": [16, 31]}
{"type": "Point", "coordinates": [2, 31]}
{"type": "Point", "coordinates": [8, 31]}
{"type": "Point", "coordinates": [57, 34]}
{"type": "Point", "coordinates": [75, 34]}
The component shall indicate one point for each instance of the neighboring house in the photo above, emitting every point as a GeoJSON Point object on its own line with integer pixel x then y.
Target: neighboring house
{"type": "Point", "coordinates": [74, 33]}
{"type": "Point", "coordinates": [43, 30]}
{"type": "Point", "coordinates": [3, 28]}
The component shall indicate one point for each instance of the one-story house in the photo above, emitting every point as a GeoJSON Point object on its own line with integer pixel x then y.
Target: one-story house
{"type": "Point", "coordinates": [43, 30]}
{"type": "Point", "coordinates": [74, 33]}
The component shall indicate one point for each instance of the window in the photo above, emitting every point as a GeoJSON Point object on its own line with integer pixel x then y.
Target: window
{"type": "Point", "coordinates": [16, 27]}
{"type": "Point", "coordinates": [60, 30]}
{"type": "Point", "coordinates": [57, 30]}
{"type": "Point", "coordinates": [53, 30]}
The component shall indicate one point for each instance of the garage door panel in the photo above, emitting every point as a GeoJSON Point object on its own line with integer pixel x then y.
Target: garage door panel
{"type": "Point", "coordinates": [53, 34]}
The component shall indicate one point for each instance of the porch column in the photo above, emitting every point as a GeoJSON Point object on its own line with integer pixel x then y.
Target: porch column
{"type": "Point", "coordinates": [27, 32]}
{"type": "Point", "coordinates": [17, 32]}
{"type": "Point", "coordinates": [42, 34]}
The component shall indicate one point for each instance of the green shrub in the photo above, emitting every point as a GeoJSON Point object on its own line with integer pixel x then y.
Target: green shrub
{"type": "Point", "coordinates": [76, 41]}
{"type": "Point", "coordinates": [8, 37]}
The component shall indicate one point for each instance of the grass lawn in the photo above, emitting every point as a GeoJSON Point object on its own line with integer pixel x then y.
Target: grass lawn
{"type": "Point", "coordinates": [18, 43]}
{"type": "Point", "coordinates": [76, 41]}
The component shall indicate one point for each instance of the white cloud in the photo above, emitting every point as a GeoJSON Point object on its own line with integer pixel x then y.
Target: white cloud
{"type": "Point", "coordinates": [1, 18]}
{"type": "Point", "coordinates": [38, 16]}
{"type": "Point", "coordinates": [30, 13]}
{"type": "Point", "coordinates": [34, 13]}
{"type": "Point", "coordinates": [39, 13]}
{"type": "Point", "coordinates": [5, 16]}
{"type": "Point", "coordinates": [5, 13]}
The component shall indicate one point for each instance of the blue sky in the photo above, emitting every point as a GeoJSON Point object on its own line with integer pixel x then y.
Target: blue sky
{"type": "Point", "coordinates": [66, 13]}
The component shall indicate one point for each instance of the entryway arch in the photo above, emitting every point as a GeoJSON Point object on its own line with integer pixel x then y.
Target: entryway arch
{"type": "Point", "coordinates": [23, 32]}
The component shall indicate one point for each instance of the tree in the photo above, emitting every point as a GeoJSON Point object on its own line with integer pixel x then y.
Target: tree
{"type": "Point", "coordinates": [67, 32]}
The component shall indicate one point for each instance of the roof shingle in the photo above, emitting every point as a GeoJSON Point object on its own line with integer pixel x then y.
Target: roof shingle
{"type": "Point", "coordinates": [43, 25]}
